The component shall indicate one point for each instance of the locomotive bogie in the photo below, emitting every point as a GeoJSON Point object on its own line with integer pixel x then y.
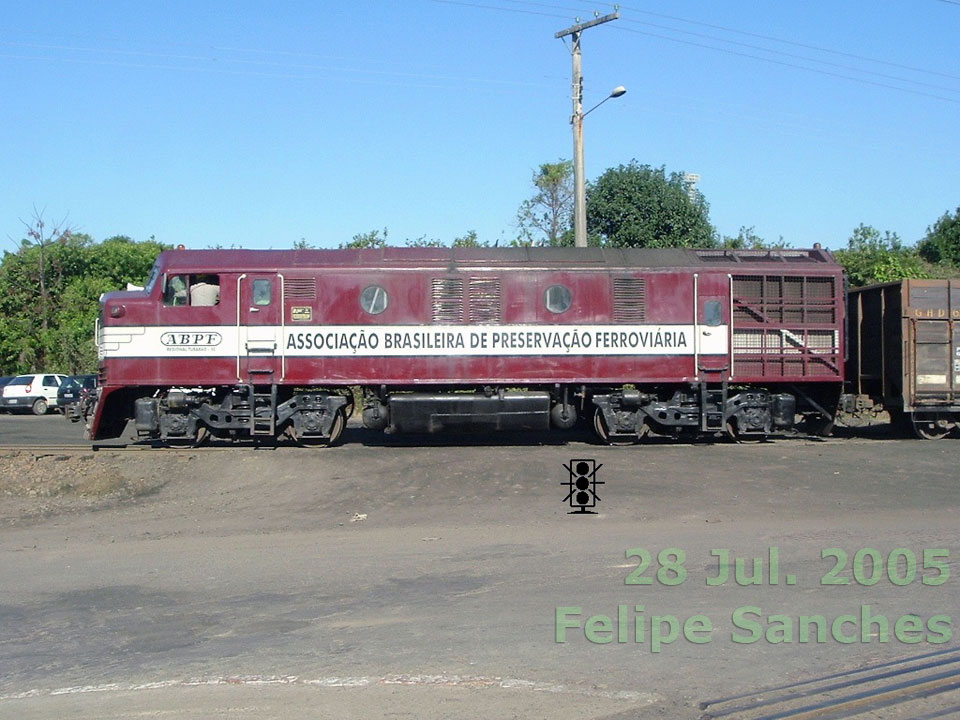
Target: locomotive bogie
{"type": "Point", "coordinates": [242, 411]}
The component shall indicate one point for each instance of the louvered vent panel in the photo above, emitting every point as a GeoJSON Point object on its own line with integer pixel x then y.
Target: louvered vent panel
{"type": "Point", "coordinates": [629, 300]}
{"type": "Point", "coordinates": [484, 300]}
{"type": "Point", "coordinates": [300, 288]}
{"type": "Point", "coordinates": [447, 296]}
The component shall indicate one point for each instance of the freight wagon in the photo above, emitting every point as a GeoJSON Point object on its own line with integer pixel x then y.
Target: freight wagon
{"type": "Point", "coordinates": [904, 344]}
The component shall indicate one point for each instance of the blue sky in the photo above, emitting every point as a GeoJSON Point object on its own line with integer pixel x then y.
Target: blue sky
{"type": "Point", "coordinates": [258, 124]}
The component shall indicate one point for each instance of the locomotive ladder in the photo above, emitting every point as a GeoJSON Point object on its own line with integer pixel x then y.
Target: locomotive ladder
{"type": "Point", "coordinates": [263, 425]}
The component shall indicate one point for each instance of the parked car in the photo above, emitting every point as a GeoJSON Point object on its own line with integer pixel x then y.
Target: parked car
{"type": "Point", "coordinates": [74, 395]}
{"type": "Point", "coordinates": [36, 392]}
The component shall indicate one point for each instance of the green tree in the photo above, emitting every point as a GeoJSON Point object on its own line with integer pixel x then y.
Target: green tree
{"type": "Point", "coordinates": [49, 297]}
{"type": "Point", "coordinates": [639, 206]}
{"type": "Point", "coordinates": [366, 241]}
{"type": "Point", "coordinates": [874, 258]}
{"type": "Point", "coordinates": [424, 241]}
{"type": "Point", "coordinates": [469, 240]}
{"type": "Point", "coordinates": [547, 217]}
{"type": "Point", "coordinates": [747, 239]}
{"type": "Point", "coordinates": [942, 242]}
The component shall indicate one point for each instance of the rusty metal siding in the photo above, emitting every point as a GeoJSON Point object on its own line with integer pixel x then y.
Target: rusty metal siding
{"type": "Point", "coordinates": [905, 343]}
{"type": "Point", "coordinates": [931, 321]}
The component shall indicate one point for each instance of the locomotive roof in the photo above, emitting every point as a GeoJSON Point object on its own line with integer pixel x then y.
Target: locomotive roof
{"type": "Point", "coordinates": [449, 258]}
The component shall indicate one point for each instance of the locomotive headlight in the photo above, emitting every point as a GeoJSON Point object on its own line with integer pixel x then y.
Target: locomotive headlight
{"type": "Point", "coordinates": [117, 311]}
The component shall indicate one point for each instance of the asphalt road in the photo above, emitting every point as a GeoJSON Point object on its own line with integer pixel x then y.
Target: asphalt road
{"type": "Point", "coordinates": [51, 429]}
{"type": "Point", "coordinates": [244, 587]}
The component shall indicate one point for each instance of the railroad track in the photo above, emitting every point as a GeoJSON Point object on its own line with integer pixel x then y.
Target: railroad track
{"type": "Point", "coordinates": [78, 448]}
{"type": "Point", "coordinates": [923, 687]}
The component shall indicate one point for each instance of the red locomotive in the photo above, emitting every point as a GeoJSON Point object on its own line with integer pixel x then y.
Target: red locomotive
{"type": "Point", "coordinates": [241, 343]}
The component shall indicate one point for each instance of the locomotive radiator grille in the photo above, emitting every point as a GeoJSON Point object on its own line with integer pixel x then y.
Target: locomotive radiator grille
{"type": "Point", "coordinates": [785, 325]}
{"type": "Point", "coordinates": [447, 301]}
{"type": "Point", "coordinates": [300, 288]}
{"type": "Point", "coordinates": [762, 299]}
{"type": "Point", "coordinates": [484, 301]}
{"type": "Point", "coordinates": [629, 300]}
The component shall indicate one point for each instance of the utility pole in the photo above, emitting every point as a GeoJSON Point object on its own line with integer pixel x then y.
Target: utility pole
{"type": "Point", "coordinates": [579, 182]}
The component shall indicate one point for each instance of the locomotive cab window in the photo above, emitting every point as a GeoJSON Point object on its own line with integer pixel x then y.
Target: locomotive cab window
{"type": "Point", "coordinates": [558, 299]}
{"type": "Point", "coordinates": [712, 313]}
{"type": "Point", "coordinates": [196, 290]}
{"type": "Point", "coordinates": [261, 292]}
{"type": "Point", "coordinates": [374, 300]}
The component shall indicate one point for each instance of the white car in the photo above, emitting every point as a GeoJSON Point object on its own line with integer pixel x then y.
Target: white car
{"type": "Point", "coordinates": [37, 392]}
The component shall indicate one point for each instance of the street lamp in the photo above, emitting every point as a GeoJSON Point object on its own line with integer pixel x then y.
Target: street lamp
{"type": "Point", "coordinates": [579, 182]}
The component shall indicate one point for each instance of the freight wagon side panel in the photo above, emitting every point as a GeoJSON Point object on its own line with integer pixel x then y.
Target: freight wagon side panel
{"type": "Point", "coordinates": [931, 352]}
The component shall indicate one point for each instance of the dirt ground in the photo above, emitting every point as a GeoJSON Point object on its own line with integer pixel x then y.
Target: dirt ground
{"type": "Point", "coordinates": [420, 578]}
{"type": "Point", "coordinates": [43, 484]}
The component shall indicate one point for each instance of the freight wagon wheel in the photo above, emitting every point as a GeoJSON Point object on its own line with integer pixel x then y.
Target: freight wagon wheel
{"type": "Point", "coordinates": [930, 427]}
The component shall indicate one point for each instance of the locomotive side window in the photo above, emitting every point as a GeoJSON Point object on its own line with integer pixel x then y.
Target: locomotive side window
{"type": "Point", "coordinates": [175, 290]}
{"type": "Point", "coordinates": [558, 299]}
{"type": "Point", "coordinates": [261, 292]}
{"type": "Point", "coordinates": [204, 290]}
{"type": "Point", "coordinates": [197, 290]}
{"type": "Point", "coordinates": [712, 313]}
{"type": "Point", "coordinates": [374, 300]}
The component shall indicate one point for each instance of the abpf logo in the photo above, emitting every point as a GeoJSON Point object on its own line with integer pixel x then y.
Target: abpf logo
{"type": "Point", "coordinates": [192, 339]}
{"type": "Point", "coordinates": [583, 486]}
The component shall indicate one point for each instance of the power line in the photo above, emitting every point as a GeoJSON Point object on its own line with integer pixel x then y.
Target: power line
{"type": "Point", "coordinates": [496, 7]}
{"type": "Point", "coordinates": [797, 57]}
{"type": "Point", "coordinates": [760, 36]}
{"type": "Point", "coordinates": [238, 61]}
{"type": "Point", "coordinates": [793, 65]}
{"type": "Point", "coordinates": [728, 51]}
{"type": "Point", "coordinates": [818, 48]}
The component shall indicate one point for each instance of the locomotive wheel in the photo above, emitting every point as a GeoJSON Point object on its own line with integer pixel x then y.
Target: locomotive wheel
{"type": "Point", "coordinates": [930, 427]}
{"type": "Point", "coordinates": [734, 434]}
{"type": "Point", "coordinates": [336, 431]}
{"type": "Point", "coordinates": [600, 428]}
{"type": "Point", "coordinates": [202, 436]}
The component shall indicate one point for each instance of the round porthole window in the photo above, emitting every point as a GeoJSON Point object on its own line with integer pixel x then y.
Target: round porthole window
{"type": "Point", "coordinates": [558, 298]}
{"type": "Point", "coordinates": [374, 300]}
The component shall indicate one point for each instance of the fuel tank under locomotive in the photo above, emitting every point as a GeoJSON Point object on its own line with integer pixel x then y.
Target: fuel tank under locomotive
{"type": "Point", "coordinates": [617, 414]}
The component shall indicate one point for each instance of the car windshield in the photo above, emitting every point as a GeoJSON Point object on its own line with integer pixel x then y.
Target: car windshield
{"type": "Point", "coordinates": [88, 381]}
{"type": "Point", "coordinates": [69, 384]}
{"type": "Point", "coordinates": [22, 380]}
